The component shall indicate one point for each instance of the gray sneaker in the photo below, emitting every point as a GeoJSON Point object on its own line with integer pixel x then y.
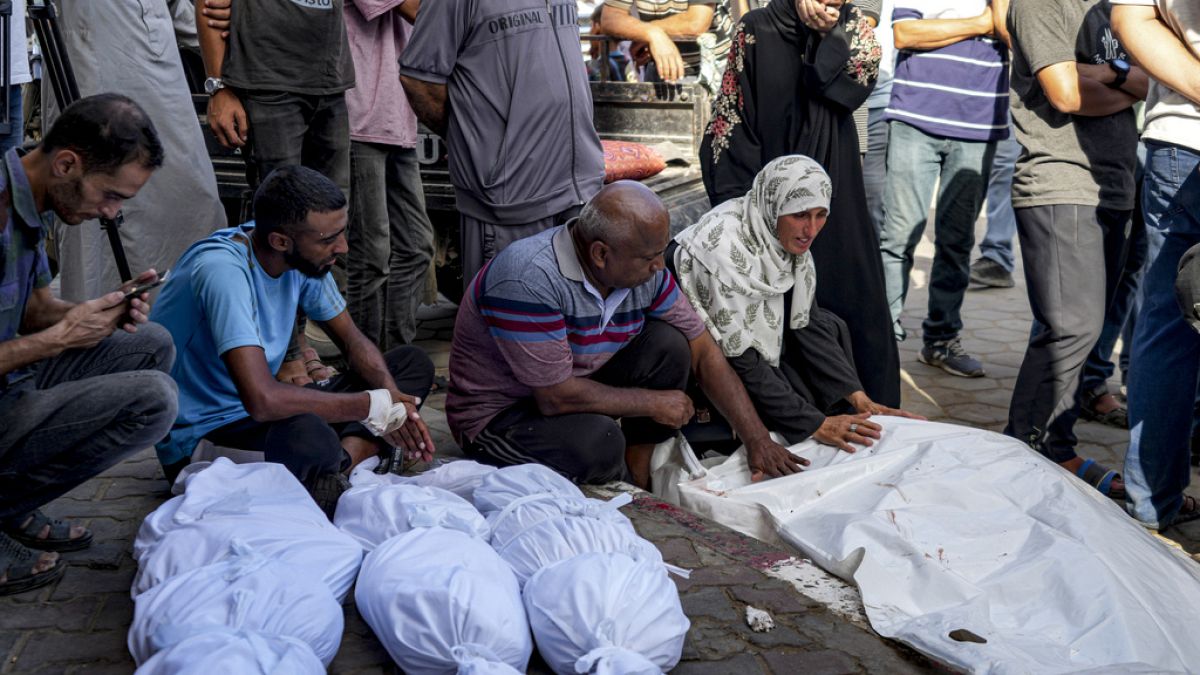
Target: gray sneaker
{"type": "Point", "coordinates": [950, 356]}
{"type": "Point", "coordinates": [988, 272]}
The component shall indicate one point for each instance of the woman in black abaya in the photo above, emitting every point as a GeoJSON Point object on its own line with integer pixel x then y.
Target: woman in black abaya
{"type": "Point", "coordinates": [791, 89]}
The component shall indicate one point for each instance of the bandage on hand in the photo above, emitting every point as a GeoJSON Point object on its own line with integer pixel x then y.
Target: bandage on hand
{"type": "Point", "coordinates": [385, 416]}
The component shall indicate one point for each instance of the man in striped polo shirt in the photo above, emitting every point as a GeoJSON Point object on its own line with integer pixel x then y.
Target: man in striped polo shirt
{"type": "Point", "coordinates": [948, 109]}
{"type": "Point", "coordinates": [567, 331]}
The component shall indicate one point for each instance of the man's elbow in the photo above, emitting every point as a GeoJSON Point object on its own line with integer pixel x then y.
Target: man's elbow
{"type": "Point", "coordinates": [1068, 103]}
{"type": "Point", "coordinates": [699, 22]}
{"type": "Point", "coordinates": [550, 403]}
{"type": "Point", "coordinates": [262, 407]}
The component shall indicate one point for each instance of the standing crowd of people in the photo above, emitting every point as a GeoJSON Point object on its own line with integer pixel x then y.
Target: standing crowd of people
{"type": "Point", "coordinates": [588, 331]}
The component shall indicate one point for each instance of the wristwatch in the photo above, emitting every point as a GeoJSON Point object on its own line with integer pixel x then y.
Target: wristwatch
{"type": "Point", "coordinates": [214, 84]}
{"type": "Point", "coordinates": [1121, 68]}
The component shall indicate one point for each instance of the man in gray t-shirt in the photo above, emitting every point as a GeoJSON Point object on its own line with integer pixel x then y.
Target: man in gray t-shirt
{"type": "Point", "coordinates": [1072, 108]}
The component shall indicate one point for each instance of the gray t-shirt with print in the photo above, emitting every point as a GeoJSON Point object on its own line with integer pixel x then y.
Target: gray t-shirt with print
{"type": "Point", "coordinates": [1068, 159]}
{"type": "Point", "coordinates": [297, 46]}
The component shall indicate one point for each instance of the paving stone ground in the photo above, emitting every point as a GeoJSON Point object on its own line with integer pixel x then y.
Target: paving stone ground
{"type": "Point", "coordinates": [79, 624]}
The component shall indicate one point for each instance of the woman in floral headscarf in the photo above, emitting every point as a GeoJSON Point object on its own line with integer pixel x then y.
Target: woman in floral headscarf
{"type": "Point", "coordinates": [747, 270]}
{"type": "Point", "coordinates": [797, 70]}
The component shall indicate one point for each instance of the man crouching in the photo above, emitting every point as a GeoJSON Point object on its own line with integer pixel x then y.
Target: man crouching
{"type": "Point", "coordinates": [567, 331]}
{"type": "Point", "coordinates": [230, 304]}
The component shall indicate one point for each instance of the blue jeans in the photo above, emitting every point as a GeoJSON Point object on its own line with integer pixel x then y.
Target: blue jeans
{"type": "Point", "coordinates": [915, 162]}
{"type": "Point", "coordinates": [16, 115]}
{"type": "Point", "coordinates": [997, 242]}
{"type": "Point", "coordinates": [1166, 351]}
{"type": "Point", "coordinates": [875, 165]}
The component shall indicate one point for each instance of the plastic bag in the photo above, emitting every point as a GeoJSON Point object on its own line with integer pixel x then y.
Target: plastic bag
{"type": "Point", "coordinates": [441, 600]}
{"type": "Point", "coordinates": [527, 512]}
{"type": "Point", "coordinates": [235, 653]}
{"type": "Point", "coordinates": [246, 591]}
{"type": "Point", "coordinates": [606, 613]}
{"type": "Point", "coordinates": [557, 539]}
{"type": "Point", "coordinates": [320, 553]}
{"type": "Point", "coordinates": [460, 476]}
{"type": "Point", "coordinates": [372, 514]}
{"type": "Point", "coordinates": [513, 482]}
{"type": "Point", "coordinates": [225, 489]}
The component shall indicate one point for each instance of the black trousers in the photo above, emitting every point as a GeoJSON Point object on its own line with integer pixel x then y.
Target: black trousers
{"type": "Point", "coordinates": [1073, 257]}
{"type": "Point", "coordinates": [589, 447]}
{"type": "Point", "coordinates": [308, 445]}
{"type": "Point", "coordinates": [814, 376]}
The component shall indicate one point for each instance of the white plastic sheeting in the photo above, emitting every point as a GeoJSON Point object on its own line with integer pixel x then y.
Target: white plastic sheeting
{"type": "Point", "coordinates": [947, 529]}
{"type": "Point", "coordinates": [223, 488]}
{"type": "Point", "coordinates": [245, 592]}
{"type": "Point", "coordinates": [606, 613]}
{"type": "Point", "coordinates": [235, 653]}
{"type": "Point", "coordinates": [529, 511]}
{"type": "Point", "coordinates": [442, 601]}
{"type": "Point", "coordinates": [502, 486]}
{"type": "Point", "coordinates": [556, 539]}
{"type": "Point", "coordinates": [458, 476]}
{"type": "Point", "coordinates": [374, 513]}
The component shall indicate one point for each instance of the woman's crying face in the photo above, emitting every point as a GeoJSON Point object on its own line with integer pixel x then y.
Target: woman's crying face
{"type": "Point", "coordinates": [796, 231]}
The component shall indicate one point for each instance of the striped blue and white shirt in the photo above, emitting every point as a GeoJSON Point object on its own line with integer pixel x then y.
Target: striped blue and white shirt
{"type": "Point", "coordinates": [959, 91]}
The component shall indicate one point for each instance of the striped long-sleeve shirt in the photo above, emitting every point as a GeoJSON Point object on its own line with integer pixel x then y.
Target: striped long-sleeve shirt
{"type": "Point", "coordinates": [959, 91]}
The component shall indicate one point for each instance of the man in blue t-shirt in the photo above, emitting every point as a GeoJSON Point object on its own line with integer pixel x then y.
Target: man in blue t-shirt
{"type": "Point", "coordinates": [230, 305]}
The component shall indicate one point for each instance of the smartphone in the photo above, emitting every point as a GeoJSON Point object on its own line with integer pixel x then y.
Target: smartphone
{"type": "Point", "coordinates": [148, 286]}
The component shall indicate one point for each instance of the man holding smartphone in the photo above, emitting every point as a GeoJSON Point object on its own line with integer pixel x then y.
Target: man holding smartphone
{"type": "Point", "coordinates": [84, 385]}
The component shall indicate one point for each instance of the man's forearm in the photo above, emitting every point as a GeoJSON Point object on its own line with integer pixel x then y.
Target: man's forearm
{"type": "Point", "coordinates": [583, 395]}
{"type": "Point", "coordinates": [1000, 21]}
{"type": "Point", "coordinates": [212, 46]}
{"type": "Point", "coordinates": [1137, 83]}
{"type": "Point", "coordinates": [27, 350]}
{"type": "Point", "coordinates": [695, 21]}
{"type": "Point", "coordinates": [43, 311]}
{"type": "Point", "coordinates": [1157, 49]}
{"type": "Point", "coordinates": [725, 389]}
{"type": "Point", "coordinates": [925, 34]}
{"type": "Point", "coordinates": [429, 102]}
{"type": "Point", "coordinates": [368, 364]}
{"type": "Point", "coordinates": [618, 23]}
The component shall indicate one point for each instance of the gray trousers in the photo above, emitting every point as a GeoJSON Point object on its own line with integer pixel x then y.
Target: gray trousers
{"type": "Point", "coordinates": [391, 243]}
{"type": "Point", "coordinates": [480, 241]}
{"type": "Point", "coordinates": [1072, 256]}
{"type": "Point", "coordinates": [80, 413]}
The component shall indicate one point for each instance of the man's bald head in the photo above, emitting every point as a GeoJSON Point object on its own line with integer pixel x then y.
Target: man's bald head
{"type": "Point", "coordinates": [622, 214]}
{"type": "Point", "coordinates": [621, 235]}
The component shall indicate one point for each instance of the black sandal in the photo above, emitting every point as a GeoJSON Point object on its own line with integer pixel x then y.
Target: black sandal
{"type": "Point", "coordinates": [1186, 514]}
{"type": "Point", "coordinates": [59, 538]}
{"type": "Point", "coordinates": [17, 562]}
{"type": "Point", "coordinates": [1117, 417]}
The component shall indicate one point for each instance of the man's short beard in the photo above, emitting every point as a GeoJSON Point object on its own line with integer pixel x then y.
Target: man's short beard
{"type": "Point", "coordinates": [304, 266]}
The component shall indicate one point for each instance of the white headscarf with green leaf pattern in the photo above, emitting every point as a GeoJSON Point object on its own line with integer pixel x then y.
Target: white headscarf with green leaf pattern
{"type": "Point", "coordinates": [734, 270]}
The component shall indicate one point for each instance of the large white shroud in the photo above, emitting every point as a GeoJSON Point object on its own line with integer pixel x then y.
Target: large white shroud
{"type": "Point", "coordinates": [946, 528]}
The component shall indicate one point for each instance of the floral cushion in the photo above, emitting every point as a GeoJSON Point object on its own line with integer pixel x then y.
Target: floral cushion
{"type": "Point", "coordinates": [630, 161]}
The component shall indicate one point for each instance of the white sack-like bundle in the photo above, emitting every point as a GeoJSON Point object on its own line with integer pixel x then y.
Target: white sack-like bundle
{"type": "Point", "coordinates": [372, 514]}
{"type": "Point", "coordinates": [608, 614]}
{"type": "Point", "coordinates": [442, 601]}
{"type": "Point", "coordinates": [513, 482]}
{"type": "Point", "coordinates": [460, 476]}
{"type": "Point", "coordinates": [320, 554]}
{"type": "Point", "coordinates": [235, 653]}
{"type": "Point", "coordinates": [228, 489]}
{"type": "Point", "coordinates": [246, 591]}
{"type": "Point", "coordinates": [529, 511]}
{"type": "Point", "coordinates": [556, 539]}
